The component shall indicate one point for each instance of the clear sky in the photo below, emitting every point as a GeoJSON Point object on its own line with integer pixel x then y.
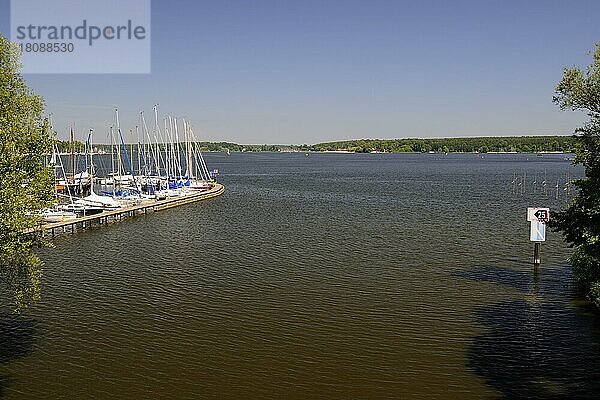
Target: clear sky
{"type": "Point", "coordinates": [273, 71]}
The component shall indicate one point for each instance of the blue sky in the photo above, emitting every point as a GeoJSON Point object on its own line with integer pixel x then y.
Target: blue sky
{"type": "Point", "coordinates": [309, 71]}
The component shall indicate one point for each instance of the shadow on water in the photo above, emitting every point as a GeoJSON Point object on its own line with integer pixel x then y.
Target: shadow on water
{"type": "Point", "coordinates": [17, 336]}
{"type": "Point", "coordinates": [525, 351]}
{"type": "Point", "coordinates": [550, 282]}
{"type": "Point", "coordinates": [502, 276]}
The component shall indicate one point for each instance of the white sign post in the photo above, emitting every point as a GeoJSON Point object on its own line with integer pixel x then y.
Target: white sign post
{"type": "Point", "coordinates": [537, 231]}
{"type": "Point", "coordinates": [536, 214]}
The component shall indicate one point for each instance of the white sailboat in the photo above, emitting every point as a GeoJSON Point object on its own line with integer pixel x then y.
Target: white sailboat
{"type": "Point", "coordinates": [197, 172]}
{"type": "Point", "coordinates": [54, 214]}
{"type": "Point", "coordinates": [166, 167]}
{"type": "Point", "coordinates": [93, 203]}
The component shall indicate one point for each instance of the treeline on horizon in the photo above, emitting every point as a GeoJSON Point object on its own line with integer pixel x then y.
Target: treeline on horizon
{"type": "Point", "coordinates": [79, 147]}
{"type": "Point", "coordinates": [519, 144]}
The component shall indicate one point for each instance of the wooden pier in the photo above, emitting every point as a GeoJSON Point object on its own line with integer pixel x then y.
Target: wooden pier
{"type": "Point", "coordinates": [106, 217]}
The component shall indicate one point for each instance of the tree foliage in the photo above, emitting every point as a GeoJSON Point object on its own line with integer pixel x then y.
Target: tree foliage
{"type": "Point", "coordinates": [26, 185]}
{"type": "Point", "coordinates": [520, 144]}
{"type": "Point", "coordinates": [580, 221]}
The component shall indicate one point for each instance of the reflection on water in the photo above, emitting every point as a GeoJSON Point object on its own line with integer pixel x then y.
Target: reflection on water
{"type": "Point", "coordinates": [17, 335]}
{"type": "Point", "coordinates": [537, 347]}
{"type": "Point", "coordinates": [327, 276]}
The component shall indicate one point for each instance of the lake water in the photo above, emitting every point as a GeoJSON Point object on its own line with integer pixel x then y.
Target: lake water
{"type": "Point", "coordinates": [331, 276]}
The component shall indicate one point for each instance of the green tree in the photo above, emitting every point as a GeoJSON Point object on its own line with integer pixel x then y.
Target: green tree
{"type": "Point", "coordinates": [26, 185]}
{"type": "Point", "coordinates": [580, 221]}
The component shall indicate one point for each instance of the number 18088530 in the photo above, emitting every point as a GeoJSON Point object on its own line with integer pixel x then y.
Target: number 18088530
{"type": "Point", "coordinates": [47, 47]}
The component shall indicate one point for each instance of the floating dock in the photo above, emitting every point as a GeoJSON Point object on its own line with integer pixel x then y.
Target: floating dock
{"type": "Point", "coordinates": [106, 217]}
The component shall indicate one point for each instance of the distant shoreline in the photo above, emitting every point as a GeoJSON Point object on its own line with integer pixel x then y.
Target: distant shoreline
{"type": "Point", "coordinates": [492, 145]}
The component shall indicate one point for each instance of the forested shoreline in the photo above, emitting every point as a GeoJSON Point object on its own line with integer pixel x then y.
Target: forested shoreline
{"type": "Point", "coordinates": [500, 144]}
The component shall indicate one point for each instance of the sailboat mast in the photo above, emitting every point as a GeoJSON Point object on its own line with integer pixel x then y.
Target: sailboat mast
{"type": "Point", "coordinates": [149, 153]}
{"type": "Point", "coordinates": [169, 132]}
{"type": "Point", "coordinates": [92, 172]}
{"type": "Point", "coordinates": [187, 149]}
{"type": "Point", "coordinates": [55, 154]}
{"type": "Point", "coordinates": [205, 167]}
{"type": "Point", "coordinates": [131, 144]}
{"type": "Point", "coordinates": [167, 158]}
{"type": "Point", "coordinates": [139, 149]}
{"type": "Point", "coordinates": [188, 145]}
{"type": "Point", "coordinates": [119, 161]}
{"type": "Point", "coordinates": [178, 149]}
{"type": "Point", "coordinates": [156, 134]}
{"type": "Point", "coordinates": [72, 156]}
{"type": "Point", "coordinates": [112, 158]}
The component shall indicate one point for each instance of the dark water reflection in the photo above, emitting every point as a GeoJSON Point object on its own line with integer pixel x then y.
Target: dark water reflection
{"type": "Point", "coordinates": [527, 352]}
{"type": "Point", "coordinates": [323, 277]}
{"type": "Point", "coordinates": [17, 335]}
{"type": "Point", "coordinates": [540, 347]}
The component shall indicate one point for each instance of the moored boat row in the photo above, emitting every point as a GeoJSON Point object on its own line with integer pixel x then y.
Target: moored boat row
{"type": "Point", "coordinates": [159, 166]}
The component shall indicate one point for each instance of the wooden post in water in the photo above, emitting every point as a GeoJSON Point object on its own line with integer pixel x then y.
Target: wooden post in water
{"type": "Point", "coordinates": [537, 256]}
{"type": "Point", "coordinates": [538, 217]}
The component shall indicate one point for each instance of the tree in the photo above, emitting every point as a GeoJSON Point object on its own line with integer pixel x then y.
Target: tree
{"type": "Point", "coordinates": [26, 185]}
{"type": "Point", "coordinates": [580, 221]}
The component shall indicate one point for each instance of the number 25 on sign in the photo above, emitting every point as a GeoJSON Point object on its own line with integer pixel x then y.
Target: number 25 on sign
{"type": "Point", "coordinates": [538, 218]}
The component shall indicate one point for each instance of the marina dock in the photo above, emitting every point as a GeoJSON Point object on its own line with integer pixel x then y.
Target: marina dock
{"type": "Point", "coordinates": [146, 207]}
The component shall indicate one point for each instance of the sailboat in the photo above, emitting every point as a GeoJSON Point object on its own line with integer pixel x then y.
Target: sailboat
{"type": "Point", "coordinates": [77, 183]}
{"type": "Point", "coordinates": [93, 203]}
{"type": "Point", "coordinates": [165, 166]}
{"type": "Point", "coordinates": [55, 214]}
{"type": "Point", "coordinates": [199, 178]}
